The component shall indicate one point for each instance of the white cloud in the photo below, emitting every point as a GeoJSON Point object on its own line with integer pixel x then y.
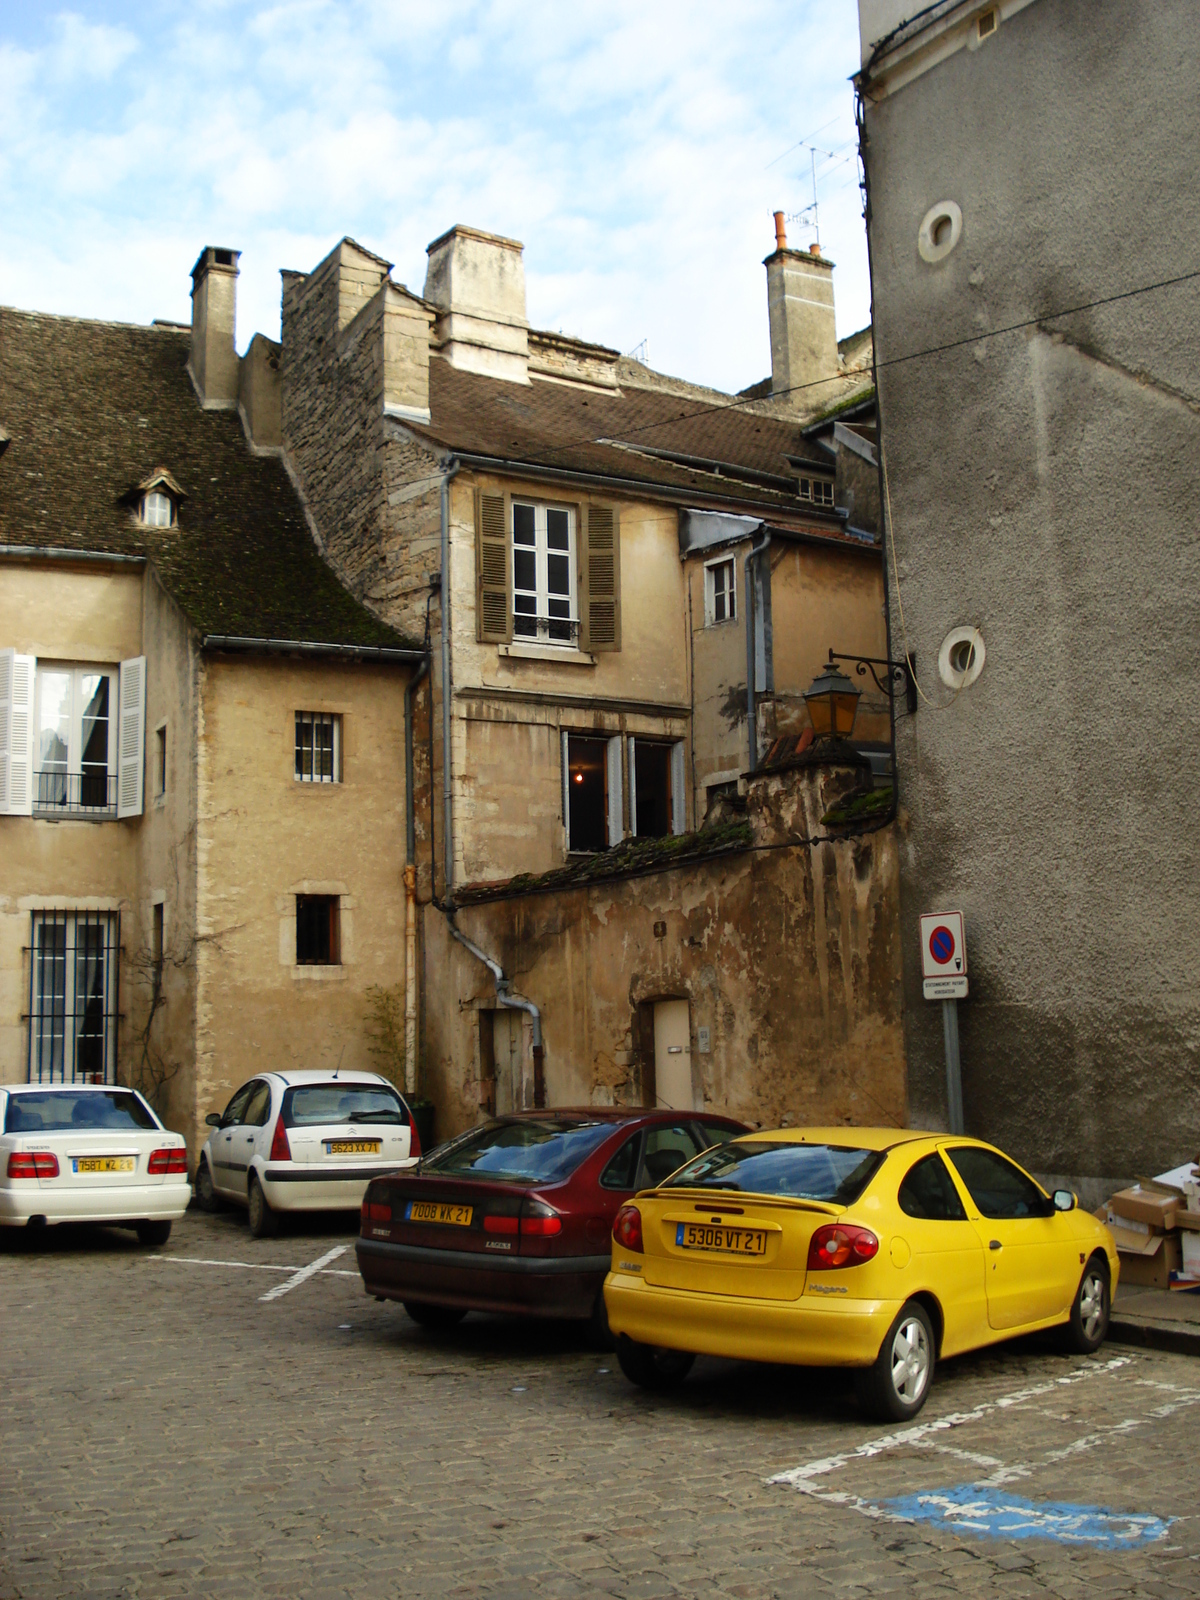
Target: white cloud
{"type": "Point", "coordinates": [628, 144]}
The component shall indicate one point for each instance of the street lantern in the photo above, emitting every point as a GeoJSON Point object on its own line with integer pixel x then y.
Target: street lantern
{"type": "Point", "coordinates": [832, 702]}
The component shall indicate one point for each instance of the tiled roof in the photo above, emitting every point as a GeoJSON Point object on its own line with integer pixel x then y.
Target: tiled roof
{"type": "Point", "coordinates": [92, 409]}
{"type": "Point", "coordinates": [701, 443]}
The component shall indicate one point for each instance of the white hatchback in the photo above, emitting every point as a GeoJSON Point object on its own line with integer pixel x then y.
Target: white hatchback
{"type": "Point", "coordinates": [304, 1141]}
{"type": "Point", "coordinates": [76, 1152]}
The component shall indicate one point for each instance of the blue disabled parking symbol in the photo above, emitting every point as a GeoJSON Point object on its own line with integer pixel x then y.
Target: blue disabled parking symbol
{"type": "Point", "coordinates": [971, 1508]}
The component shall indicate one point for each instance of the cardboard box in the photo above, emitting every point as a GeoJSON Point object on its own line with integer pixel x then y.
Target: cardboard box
{"type": "Point", "coordinates": [1190, 1243]}
{"type": "Point", "coordinates": [1149, 1204]}
{"type": "Point", "coordinates": [1151, 1266]}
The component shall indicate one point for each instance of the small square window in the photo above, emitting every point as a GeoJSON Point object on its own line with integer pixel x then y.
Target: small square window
{"type": "Point", "coordinates": [318, 930]}
{"type": "Point", "coordinates": [318, 747]}
{"type": "Point", "coordinates": [720, 592]}
{"type": "Point", "coordinates": [157, 510]}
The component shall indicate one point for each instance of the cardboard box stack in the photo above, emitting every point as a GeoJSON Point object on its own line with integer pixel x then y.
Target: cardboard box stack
{"type": "Point", "coordinates": [1156, 1226]}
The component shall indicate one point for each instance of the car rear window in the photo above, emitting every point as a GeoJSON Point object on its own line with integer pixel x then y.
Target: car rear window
{"type": "Point", "coordinates": [81, 1111]}
{"type": "Point", "coordinates": [309, 1104]}
{"type": "Point", "coordinates": [833, 1172]}
{"type": "Point", "coordinates": [520, 1152]}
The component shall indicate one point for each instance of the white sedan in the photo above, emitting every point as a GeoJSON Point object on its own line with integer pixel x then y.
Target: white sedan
{"type": "Point", "coordinates": [78, 1152]}
{"type": "Point", "coordinates": [304, 1141]}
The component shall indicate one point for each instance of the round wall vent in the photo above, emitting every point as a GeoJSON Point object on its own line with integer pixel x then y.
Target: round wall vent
{"type": "Point", "coordinates": [961, 658]}
{"type": "Point", "coordinates": [940, 231]}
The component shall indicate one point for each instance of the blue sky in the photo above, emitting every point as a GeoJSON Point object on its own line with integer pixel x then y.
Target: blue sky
{"type": "Point", "coordinates": [637, 149]}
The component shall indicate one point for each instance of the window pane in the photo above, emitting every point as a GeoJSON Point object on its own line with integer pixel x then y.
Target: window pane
{"type": "Point", "coordinates": [258, 1107]}
{"type": "Point", "coordinates": [928, 1192]}
{"type": "Point", "coordinates": [667, 1149]}
{"type": "Point", "coordinates": [558, 530]}
{"type": "Point", "coordinates": [55, 727]}
{"type": "Point", "coordinates": [341, 1102]}
{"type": "Point", "coordinates": [587, 825]}
{"type": "Point", "coordinates": [558, 575]}
{"type": "Point", "coordinates": [90, 952]}
{"type": "Point", "coordinates": [48, 1029]}
{"type": "Point", "coordinates": [996, 1186]}
{"type": "Point", "coordinates": [525, 570]}
{"type": "Point", "coordinates": [652, 775]}
{"type": "Point", "coordinates": [523, 525]}
{"type": "Point", "coordinates": [520, 1151]}
{"type": "Point", "coordinates": [87, 1108]}
{"type": "Point", "coordinates": [837, 1173]}
{"type": "Point", "coordinates": [620, 1171]}
{"type": "Point", "coordinates": [316, 930]}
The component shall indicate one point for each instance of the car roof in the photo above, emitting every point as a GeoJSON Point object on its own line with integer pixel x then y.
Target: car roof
{"type": "Point", "coordinates": [331, 1075]}
{"type": "Point", "coordinates": [859, 1138]}
{"type": "Point", "coordinates": [65, 1088]}
{"type": "Point", "coordinates": [615, 1115]}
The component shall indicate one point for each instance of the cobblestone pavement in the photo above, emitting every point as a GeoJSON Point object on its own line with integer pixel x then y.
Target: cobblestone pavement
{"type": "Point", "coordinates": [169, 1431]}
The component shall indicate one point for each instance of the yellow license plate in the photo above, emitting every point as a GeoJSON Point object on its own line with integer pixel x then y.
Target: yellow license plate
{"type": "Point", "coordinates": [434, 1211]}
{"type": "Point", "coordinates": [353, 1147]}
{"type": "Point", "coordinates": [105, 1164]}
{"type": "Point", "coordinates": [725, 1241]}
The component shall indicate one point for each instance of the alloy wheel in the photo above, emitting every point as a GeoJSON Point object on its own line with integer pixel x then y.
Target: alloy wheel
{"type": "Point", "coordinates": [910, 1360]}
{"type": "Point", "coordinates": [1093, 1293]}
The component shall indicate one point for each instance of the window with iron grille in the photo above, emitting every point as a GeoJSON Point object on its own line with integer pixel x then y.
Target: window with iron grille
{"type": "Point", "coordinates": [318, 747]}
{"type": "Point", "coordinates": [318, 930]}
{"type": "Point", "coordinates": [73, 996]}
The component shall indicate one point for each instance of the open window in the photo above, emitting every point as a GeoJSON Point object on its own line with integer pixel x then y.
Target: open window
{"type": "Point", "coordinates": [593, 802]}
{"type": "Point", "coordinates": [657, 796]}
{"type": "Point", "coordinates": [318, 930]}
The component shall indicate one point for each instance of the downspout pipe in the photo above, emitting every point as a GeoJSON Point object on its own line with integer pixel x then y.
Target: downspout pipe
{"type": "Point", "coordinates": [410, 888]}
{"type": "Point", "coordinates": [751, 663]}
{"type": "Point", "coordinates": [506, 996]}
{"type": "Point", "coordinates": [447, 689]}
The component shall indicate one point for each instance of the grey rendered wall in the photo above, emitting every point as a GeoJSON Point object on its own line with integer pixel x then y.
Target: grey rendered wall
{"type": "Point", "coordinates": [1044, 485]}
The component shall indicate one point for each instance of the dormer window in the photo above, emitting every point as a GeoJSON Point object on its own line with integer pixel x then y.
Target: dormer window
{"type": "Point", "coordinates": [157, 499]}
{"type": "Point", "coordinates": [817, 490]}
{"type": "Point", "coordinates": [157, 510]}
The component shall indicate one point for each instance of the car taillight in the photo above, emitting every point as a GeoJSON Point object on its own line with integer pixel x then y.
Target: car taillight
{"type": "Point", "coordinates": [167, 1161]}
{"type": "Point", "coordinates": [627, 1229]}
{"type": "Point", "coordinates": [840, 1244]}
{"type": "Point", "coordinates": [281, 1150]}
{"type": "Point", "coordinates": [539, 1221]}
{"type": "Point", "coordinates": [499, 1224]}
{"type": "Point", "coordinates": [376, 1211]}
{"type": "Point", "coordinates": [414, 1138]}
{"type": "Point", "coordinates": [32, 1164]}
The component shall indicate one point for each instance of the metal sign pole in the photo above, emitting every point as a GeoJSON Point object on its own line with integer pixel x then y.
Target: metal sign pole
{"type": "Point", "coordinates": [954, 1103]}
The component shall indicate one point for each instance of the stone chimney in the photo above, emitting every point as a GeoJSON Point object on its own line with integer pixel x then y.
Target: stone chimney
{"type": "Point", "coordinates": [214, 362]}
{"type": "Point", "coordinates": [800, 305]}
{"type": "Point", "coordinates": [477, 282]}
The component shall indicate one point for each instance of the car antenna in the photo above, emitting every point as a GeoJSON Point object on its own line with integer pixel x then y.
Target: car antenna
{"type": "Point", "coordinates": [338, 1068]}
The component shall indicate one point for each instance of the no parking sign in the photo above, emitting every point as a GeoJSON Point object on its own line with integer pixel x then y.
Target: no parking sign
{"type": "Point", "coordinates": [944, 955]}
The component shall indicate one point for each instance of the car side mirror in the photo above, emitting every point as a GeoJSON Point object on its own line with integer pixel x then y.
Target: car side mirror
{"type": "Point", "coordinates": [1064, 1200]}
{"type": "Point", "coordinates": [213, 1119]}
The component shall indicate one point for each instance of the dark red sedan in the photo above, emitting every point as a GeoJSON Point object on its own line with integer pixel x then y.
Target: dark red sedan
{"type": "Point", "coordinates": [516, 1216]}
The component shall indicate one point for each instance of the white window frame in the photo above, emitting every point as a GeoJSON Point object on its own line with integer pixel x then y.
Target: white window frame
{"type": "Point", "coordinates": [541, 595]}
{"type": "Point", "coordinates": [711, 620]}
{"type": "Point", "coordinates": [157, 509]}
{"type": "Point", "coordinates": [44, 802]}
{"type": "Point", "coordinates": [56, 1021]}
{"type": "Point", "coordinates": [314, 717]}
{"type": "Point", "coordinates": [678, 794]}
{"type": "Point", "coordinates": [809, 486]}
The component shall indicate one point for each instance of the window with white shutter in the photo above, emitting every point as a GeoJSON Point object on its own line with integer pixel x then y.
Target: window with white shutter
{"type": "Point", "coordinates": [131, 738]}
{"type": "Point", "coordinates": [17, 677]}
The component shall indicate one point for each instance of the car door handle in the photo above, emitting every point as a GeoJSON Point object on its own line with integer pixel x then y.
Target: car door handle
{"type": "Point", "coordinates": [995, 1245]}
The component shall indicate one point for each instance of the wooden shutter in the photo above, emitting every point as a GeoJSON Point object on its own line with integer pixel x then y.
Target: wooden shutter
{"type": "Point", "coordinates": [17, 674]}
{"type": "Point", "coordinates": [600, 578]}
{"type": "Point", "coordinates": [493, 561]}
{"type": "Point", "coordinates": [131, 737]}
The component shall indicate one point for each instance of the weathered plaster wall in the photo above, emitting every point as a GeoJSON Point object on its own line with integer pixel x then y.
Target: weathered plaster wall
{"type": "Point", "coordinates": [788, 956]}
{"type": "Point", "coordinates": [263, 838]}
{"type": "Point", "coordinates": [1043, 487]}
{"type": "Point", "coordinates": [161, 1055]}
{"type": "Point", "coordinates": [60, 613]}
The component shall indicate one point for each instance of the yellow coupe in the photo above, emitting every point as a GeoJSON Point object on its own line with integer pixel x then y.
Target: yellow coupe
{"type": "Point", "coordinates": [854, 1247]}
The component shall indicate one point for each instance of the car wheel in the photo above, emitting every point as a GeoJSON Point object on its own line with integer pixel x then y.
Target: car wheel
{"type": "Point", "coordinates": [897, 1386]}
{"type": "Point", "coordinates": [598, 1329]}
{"type": "Point", "coordinates": [153, 1234]}
{"type": "Point", "coordinates": [207, 1198]}
{"type": "Point", "coordinates": [430, 1316]}
{"type": "Point", "coordinates": [651, 1367]}
{"type": "Point", "coordinates": [1088, 1327]}
{"type": "Point", "coordinates": [263, 1221]}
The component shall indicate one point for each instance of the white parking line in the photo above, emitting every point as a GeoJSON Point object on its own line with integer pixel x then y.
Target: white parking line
{"type": "Point", "coordinates": [799, 1477]}
{"type": "Point", "coordinates": [251, 1266]}
{"type": "Point", "coordinates": [305, 1273]}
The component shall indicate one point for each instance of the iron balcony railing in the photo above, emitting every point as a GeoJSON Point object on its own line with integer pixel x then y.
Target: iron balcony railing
{"type": "Point", "coordinates": [545, 630]}
{"type": "Point", "coordinates": [74, 794]}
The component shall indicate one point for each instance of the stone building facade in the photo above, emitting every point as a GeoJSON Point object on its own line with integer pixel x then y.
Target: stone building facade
{"type": "Point", "coordinates": [1030, 220]}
